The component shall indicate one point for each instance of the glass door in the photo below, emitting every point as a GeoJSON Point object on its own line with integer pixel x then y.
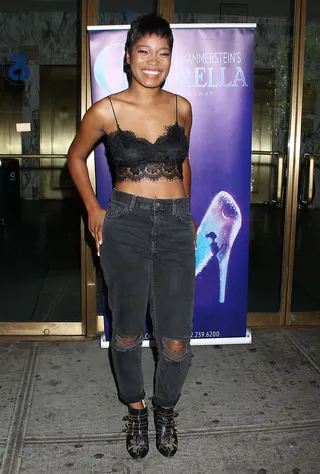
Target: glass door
{"type": "Point", "coordinates": [303, 299]}
{"type": "Point", "coordinates": [275, 43]}
{"type": "Point", "coordinates": [40, 212]}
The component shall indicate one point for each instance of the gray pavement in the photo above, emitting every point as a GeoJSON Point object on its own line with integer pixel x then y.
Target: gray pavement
{"type": "Point", "coordinates": [244, 409]}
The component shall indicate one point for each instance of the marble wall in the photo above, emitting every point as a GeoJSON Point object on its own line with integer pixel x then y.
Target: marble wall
{"type": "Point", "coordinates": [54, 40]}
{"type": "Point", "coordinates": [118, 18]}
{"type": "Point", "coordinates": [54, 33]}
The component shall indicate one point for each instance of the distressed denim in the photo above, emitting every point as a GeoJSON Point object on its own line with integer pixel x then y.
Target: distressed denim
{"type": "Point", "coordinates": [148, 260]}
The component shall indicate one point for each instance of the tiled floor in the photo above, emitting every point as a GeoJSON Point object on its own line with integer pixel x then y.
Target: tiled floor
{"type": "Point", "coordinates": [244, 409]}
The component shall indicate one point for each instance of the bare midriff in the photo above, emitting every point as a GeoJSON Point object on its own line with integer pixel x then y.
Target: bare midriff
{"type": "Point", "coordinates": [161, 189]}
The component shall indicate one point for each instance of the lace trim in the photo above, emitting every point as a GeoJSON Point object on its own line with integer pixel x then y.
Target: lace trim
{"type": "Point", "coordinates": [168, 129]}
{"type": "Point", "coordinates": [149, 171]}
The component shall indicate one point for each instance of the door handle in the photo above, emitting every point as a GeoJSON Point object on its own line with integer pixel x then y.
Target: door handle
{"type": "Point", "coordinates": [308, 160]}
{"type": "Point", "coordinates": [311, 177]}
{"type": "Point", "coordinates": [280, 178]}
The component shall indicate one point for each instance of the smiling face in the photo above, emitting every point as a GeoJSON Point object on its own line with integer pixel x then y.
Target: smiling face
{"type": "Point", "coordinates": [150, 60]}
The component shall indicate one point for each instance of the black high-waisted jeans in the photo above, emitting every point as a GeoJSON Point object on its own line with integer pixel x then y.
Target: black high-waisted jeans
{"type": "Point", "coordinates": [148, 259]}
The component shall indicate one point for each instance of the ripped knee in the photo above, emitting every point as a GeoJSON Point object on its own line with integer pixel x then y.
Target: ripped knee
{"type": "Point", "coordinates": [122, 343]}
{"type": "Point", "coordinates": [176, 350]}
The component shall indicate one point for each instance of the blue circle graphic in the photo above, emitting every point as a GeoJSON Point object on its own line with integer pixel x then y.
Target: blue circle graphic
{"type": "Point", "coordinates": [108, 68]}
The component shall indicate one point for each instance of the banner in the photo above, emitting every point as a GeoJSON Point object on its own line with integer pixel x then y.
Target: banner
{"type": "Point", "coordinates": [212, 66]}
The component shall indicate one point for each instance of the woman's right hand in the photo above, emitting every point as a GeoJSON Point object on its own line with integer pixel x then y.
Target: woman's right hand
{"type": "Point", "coordinates": [95, 223]}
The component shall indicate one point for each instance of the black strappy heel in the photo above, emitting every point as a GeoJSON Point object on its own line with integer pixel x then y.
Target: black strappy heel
{"type": "Point", "coordinates": [137, 441]}
{"type": "Point", "coordinates": [166, 433]}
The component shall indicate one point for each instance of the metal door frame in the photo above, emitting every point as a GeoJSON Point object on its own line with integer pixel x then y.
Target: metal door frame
{"type": "Point", "coordinates": [286, 317]}
{"type": "Point", "coordinates": [293, 160]}
{"type": "Point", "coordinates": [85, 327]}
{"type": "Point", "coordinates": [305, 318]}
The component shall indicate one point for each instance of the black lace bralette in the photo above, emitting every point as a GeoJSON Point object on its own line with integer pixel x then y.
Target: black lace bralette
{"type": "Point", "coordinates": [136, 159]}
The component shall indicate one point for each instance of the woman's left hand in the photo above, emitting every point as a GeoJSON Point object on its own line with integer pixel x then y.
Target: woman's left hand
{"type": "Point", "coordinates": [195, 230]}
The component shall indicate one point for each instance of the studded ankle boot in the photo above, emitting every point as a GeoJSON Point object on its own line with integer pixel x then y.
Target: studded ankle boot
{"type": "Point", "coordinates": [166, 433]}
{"type": "Point", "coordinates": [137, 442]}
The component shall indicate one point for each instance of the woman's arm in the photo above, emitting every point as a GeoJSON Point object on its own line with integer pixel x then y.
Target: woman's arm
{"type": "Point", "coordinates": [90, 131]}
{"type": "Point", "coordinates": [187, 113]}
{"type": "Point", "coordinates": [186, 169]}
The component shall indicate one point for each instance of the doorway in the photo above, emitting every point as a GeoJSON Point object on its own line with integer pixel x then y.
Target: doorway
{"type": "Point", "coordinates": [41, 216]}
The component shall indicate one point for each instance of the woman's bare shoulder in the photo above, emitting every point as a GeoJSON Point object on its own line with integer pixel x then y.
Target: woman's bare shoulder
{"type": "Point", "coordinates": [102, 111]}
{"type": "Point", "coordinates": [119, 97]}
{"type": "Point", "coordinates": [101, 107]}
{"type": "Point", "coordinates": [184, 105]}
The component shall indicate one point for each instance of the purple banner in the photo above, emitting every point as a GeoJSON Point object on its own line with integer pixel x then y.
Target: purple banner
{"type": "Point", "coordinates": [213, 68]}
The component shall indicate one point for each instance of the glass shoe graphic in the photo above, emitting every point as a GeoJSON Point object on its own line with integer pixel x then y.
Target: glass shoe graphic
{"type": "Point", "coordinates": [216, 235]}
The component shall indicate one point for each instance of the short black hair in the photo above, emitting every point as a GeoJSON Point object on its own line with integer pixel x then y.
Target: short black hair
{"type": "Point", "coordinates": [147, 25]}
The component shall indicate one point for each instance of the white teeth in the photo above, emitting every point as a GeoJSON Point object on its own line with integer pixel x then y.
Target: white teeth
{"type": "Point", "coordinates": [152, 73]}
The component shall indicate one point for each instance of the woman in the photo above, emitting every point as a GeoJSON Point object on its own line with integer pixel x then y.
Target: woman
{"type": "Point", "coordinates": [146, 238]}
